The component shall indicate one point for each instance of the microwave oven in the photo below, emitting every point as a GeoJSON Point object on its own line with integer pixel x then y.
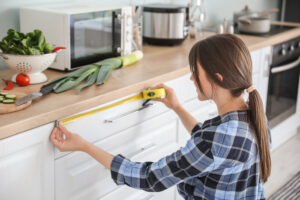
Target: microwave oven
{"type": "Point", "coordinates": [90, 33]}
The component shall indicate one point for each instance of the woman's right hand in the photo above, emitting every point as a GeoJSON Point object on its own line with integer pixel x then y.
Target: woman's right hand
{"type": "Point", "coordinates": [170, 99]}
{"type": "Point", "coordinates": [64, 140]}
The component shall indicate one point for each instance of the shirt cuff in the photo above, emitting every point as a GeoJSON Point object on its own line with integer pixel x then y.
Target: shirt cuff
{"type": "Point", "coordinates": [115, 169]}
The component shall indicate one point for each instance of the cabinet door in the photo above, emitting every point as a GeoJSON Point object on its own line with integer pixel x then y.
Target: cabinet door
{"type": "Point", "coordinates": [264, 74]}
{"type": "Point", "coordinates": [27, 165]}
{"type": "Point", "coordinates": [201, 110]}
{"type": "Point", "coordinates": [261, 60]}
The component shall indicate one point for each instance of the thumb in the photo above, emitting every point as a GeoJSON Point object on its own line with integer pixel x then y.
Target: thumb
{"type": "Point", "coordinates": [159, 86]}
{"type": "Point", "coordinates": [64, 130]}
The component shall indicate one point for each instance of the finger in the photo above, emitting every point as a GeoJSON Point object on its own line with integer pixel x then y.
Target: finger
{"type": "Point", "coordinates": [158, 86]}
{"type": "Point", "coordinates": [54, 139]}
{"type": "Point", "coordinates": [52, 136]}
{"type": "Point", "coordinates": [58, 145]}
{"type": "Point", "coordinates": [158, 99]}
{"type": "Point", "coordinates": [64, 130]}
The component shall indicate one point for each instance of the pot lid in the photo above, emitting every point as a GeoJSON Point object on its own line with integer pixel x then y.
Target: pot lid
{"type": "Point", "coordinates": [246, 10]}
{"type": "Point", "coordinates": [165, 8]}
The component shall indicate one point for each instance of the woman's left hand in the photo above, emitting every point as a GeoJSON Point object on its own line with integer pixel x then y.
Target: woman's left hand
{"type": "Point", "coordinates": [64, 140]}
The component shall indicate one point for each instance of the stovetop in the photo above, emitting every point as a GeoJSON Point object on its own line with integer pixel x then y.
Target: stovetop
{"type": "Point", "coordinates": [275, 29]}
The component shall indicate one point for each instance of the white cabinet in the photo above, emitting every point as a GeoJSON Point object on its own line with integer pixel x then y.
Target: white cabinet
{"type": "Point", "coordinates": [78, 176]}
{"type": "Point", "coordinates": [261, 60]}
{"type": "Point", "coordinates": [201, 110]}
{"type": "Point", "coordinates": [27, 165]}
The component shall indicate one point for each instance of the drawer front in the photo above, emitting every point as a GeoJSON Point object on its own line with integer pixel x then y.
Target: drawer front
{"type": "Point", "coordinates": [93, 127]}
{"type": "Point", "coordinates": [201, 110]}
{"type": "Point", "coordinates": [127, 193]}
{"type": "Point", "coordinates": [85, 178]}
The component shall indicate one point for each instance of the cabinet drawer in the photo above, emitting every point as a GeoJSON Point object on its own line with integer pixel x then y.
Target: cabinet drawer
{"type": "Point", "coordinates": [127, 193]}
{"type": "Point", "coordinates": [93, 127]}
{"type": "Point", "coordinates": [78, 176]}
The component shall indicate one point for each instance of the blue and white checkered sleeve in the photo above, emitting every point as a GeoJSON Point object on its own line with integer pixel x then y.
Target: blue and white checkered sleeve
{"type": "Point", "coordinates": [193, 159]}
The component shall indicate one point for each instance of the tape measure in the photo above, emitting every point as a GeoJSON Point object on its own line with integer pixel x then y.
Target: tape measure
{"type": "Point", "coordinates": [146, 94]}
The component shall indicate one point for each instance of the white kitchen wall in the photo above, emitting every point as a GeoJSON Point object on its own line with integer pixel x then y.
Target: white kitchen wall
{"type": "Point", "coordinates": [216, 9]}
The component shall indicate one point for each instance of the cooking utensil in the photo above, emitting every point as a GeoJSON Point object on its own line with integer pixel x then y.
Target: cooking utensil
{"type": "Point", "coordinates": [255, 25]}
{"type": "Point", "coordinates": [146, 94]}
{"type": "Point", "coordinates": [250, 13]}
{"type": "Point", "coordinates": [265, 13]}
{"type": "Point", "coordinates": [45, 89]}
{"type": "Point", "coordinates": [8, 108]}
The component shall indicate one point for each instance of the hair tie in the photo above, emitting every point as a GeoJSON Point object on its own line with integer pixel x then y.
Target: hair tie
{"type": "Point", "coordinates": [251, 89]}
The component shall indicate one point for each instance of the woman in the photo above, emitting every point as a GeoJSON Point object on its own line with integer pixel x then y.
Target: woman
{"type": "Point", "coordinates": [227, 157]}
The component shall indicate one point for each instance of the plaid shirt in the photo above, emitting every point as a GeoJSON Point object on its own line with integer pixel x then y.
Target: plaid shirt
{"type": "Point", "coordinates": [220, 161]}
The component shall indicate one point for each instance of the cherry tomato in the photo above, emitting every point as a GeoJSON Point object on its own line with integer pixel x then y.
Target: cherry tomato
{"type": "Point", "coordinates": [22, 79]}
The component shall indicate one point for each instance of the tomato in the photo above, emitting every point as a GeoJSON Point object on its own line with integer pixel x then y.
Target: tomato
{"type": "Point", "coordinates": [22, 79]}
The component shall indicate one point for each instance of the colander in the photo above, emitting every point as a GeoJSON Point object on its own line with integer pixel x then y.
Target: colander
{"type": "Point", "coordinates": [32, 65]}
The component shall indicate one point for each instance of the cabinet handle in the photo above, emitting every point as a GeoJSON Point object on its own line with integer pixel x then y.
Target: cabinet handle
{"type": "Point", "coordinates": [286, 67]}
{"type": "Point", "coordinates": [111, 120]}
{"type": "Point", "coordinates": [266, 71]}
{"type": "Point", "coordinates": [143, 149]}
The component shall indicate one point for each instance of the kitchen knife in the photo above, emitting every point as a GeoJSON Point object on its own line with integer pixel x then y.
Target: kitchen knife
{"type": "Point", "coordinates": [45, 89]}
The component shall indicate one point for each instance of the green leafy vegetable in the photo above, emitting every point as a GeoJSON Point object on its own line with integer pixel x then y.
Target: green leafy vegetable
{"type": "Point", "coordinates": [104, 72]}
{"type": "Point", "coordinates": [32, 43]}
{"type": "Point", "coordinates": [94, 73]}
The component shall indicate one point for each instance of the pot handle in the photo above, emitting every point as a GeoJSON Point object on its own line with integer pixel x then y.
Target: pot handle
{"type": "Point", "coordinates": [273, 10]}
{"type": "Point", "coordinates": [245, 21]}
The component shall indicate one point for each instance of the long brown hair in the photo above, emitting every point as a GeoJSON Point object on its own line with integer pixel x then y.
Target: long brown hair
{"type": "Point", "coordinates": [228, 55]}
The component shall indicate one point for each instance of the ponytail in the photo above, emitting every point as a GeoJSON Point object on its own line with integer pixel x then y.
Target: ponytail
{"type": "Point", "coordinates": [258, 120]}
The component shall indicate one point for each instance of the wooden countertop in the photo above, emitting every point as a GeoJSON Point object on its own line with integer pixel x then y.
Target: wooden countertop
{"type": "Point", "coordinates": [159, 64]}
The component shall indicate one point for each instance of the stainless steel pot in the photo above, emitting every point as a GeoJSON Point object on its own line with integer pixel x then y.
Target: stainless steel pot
{"type": "Point", "coordinates": [165, 24]}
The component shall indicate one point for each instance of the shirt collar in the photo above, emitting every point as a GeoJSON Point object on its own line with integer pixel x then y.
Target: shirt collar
{"type": "Point", "coordinates": [237, 115]}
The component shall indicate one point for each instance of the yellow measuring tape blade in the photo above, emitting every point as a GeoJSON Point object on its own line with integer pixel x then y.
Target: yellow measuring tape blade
{"type": "Point", "coordinates": [130, 99]}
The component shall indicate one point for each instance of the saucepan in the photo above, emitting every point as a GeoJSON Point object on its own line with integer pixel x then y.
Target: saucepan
{"type": "Point", "coordinates": [257, 24]}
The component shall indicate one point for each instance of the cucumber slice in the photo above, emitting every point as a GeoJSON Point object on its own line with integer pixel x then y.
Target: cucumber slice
{"type": "Point", "coordinates": [3, 94]}
{"type": "Point", "coordinates": [8, 101]}
{"type": "Point", "coordinates": [10, 96]}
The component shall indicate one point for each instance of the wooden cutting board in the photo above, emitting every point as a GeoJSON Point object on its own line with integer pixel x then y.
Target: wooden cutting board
{"type": "Point", "coordinates": [7, 108]}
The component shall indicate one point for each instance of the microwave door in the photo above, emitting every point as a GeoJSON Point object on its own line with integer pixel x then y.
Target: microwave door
{"type": "Point", "coordinates": [94, 37]}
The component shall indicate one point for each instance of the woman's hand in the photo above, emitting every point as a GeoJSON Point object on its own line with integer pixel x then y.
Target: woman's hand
{"type": "Point", "coordinates": [64, 140]}
{"type": "Point", "coordinates": [170, 100]}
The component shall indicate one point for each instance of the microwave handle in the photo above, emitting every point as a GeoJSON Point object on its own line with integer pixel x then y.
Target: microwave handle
{"type": "Point", "coordinates": [285, 67]}
{"type": "Point", "coordinates": [117, 17]}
